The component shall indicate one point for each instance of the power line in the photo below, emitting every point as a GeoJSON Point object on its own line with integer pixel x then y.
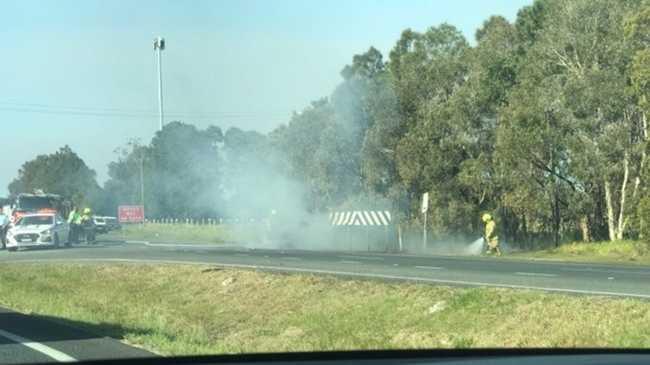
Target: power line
{"type": "Point", "coordinates": [54, 109]}
{"type": "Point", "coordinates": [141, 114]}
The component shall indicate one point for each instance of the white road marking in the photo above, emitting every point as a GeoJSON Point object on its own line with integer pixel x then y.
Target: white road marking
{"type": "Point", "coordinates": [350, 262]}
{"type": "Point", "coordinates": [536, 274]}
{"type": "Point", "coordinates": [362, 258]}
{"type": "Point", "coordinates": [345, 273]}
{"type": "Point", "coordinates": [39, 347]}
{"type": "Point", "coordinates": [291, 258]}
{"type": "Point", "coordinates": [186, 245]}
{"type": "Point", "coordinates": [612, 271]}
{"type": "Point", "coordinates": [429, 267]}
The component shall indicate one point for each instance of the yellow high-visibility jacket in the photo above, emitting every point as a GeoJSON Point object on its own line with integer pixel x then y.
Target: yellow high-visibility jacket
{"type": "Point", "coordinates": [491, 231]}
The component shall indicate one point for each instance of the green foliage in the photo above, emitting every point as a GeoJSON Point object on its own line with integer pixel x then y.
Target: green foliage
{"type": "Point", "coordinates": [62, 172]}
{"type": "Point", "coordinates": [180, 170]}
{"type": "Point", "coordinates": [543, 122]}
{"type": "Point", "coordinates": [644, 218]}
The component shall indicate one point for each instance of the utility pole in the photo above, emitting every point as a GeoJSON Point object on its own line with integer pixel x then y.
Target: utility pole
{"type": "Point", "coordinates": [159, 46]}
{"type": "Point", "coordinates": [142, 182]}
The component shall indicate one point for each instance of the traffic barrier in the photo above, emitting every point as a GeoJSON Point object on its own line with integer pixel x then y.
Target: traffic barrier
{"type": "Point", "coordinates": [361, 218]}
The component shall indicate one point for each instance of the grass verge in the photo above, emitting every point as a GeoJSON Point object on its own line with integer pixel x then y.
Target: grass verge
{"type": "Point", "coordinates": [183, 310]}
{"type": "Point", "coordinates": [215, 234]}
{"type": "Point", "coordinates": [635, 252]}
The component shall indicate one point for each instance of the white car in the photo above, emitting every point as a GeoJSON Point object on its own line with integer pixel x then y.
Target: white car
{"type": "Point", "coordinates": [100, 224]}
{"type": "Point", "coordinates": [38, 230]}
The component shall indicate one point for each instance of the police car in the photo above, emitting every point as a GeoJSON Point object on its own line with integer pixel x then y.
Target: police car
{"type": "Point", "coordinates": [38, 230]}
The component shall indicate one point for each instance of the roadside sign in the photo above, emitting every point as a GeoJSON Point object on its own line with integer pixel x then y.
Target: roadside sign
{"type": "Point", "coordinates": [130, 213]}
{"type": "Point", "coordinates": [425, 202]}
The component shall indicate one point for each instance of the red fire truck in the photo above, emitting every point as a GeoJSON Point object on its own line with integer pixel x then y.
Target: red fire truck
{"type": "Point", "coordinates": [38, 203]}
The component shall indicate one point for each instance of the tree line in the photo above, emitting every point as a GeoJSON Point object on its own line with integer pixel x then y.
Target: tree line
{"type": "Point", "coordinates": [541, 121]}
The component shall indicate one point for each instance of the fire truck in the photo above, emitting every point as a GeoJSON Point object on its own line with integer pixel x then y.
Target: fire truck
{"type": "Point", "coordinates": [38, 202]}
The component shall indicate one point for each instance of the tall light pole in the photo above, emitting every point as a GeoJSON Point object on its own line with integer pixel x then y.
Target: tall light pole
{"type": "Point", "coordinates": [159, 46]}
{"type": "Point", "coordinates": [142, 182]}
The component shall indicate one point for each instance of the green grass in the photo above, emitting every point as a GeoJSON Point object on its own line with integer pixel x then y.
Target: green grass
{"type": "Point", "coordinates": [217, 234]}
{"type": "Point", "coordinates": [183, 310]}
{"type": "Point", "coordinates": [626, 251]}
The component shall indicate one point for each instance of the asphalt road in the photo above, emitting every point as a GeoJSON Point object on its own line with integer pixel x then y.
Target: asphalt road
{"type": "Point", "coordinates": [573, 278]}
{"type": "Point", "coordinates": [40, 339]}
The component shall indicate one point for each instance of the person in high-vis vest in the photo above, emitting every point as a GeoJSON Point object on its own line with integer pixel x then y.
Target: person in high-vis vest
{"type": "Point", "coordinates": [88, 226]}
{"type": "Point", "coordinates": [74, 220]}
{"type": "Point", "coordinates": [491, 237]}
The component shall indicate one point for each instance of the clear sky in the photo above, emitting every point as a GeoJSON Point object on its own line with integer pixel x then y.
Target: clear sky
{"type": "Point", "coordinates": [83, 73]}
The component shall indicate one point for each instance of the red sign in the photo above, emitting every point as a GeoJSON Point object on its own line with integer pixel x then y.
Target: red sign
{"type": "Point", "coordinates": [130, 213]}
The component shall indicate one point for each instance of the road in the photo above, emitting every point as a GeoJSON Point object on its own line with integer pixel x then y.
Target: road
{"type": "Point", "coordinates": [39, 339]}
{"type": "Point", "coordinates": [573, 278]}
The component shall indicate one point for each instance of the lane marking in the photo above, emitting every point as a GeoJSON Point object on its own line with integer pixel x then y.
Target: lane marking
{"type": "Point", "coordinates": [536, 274]}
{"type": "Point", "coordinates": [349, 262]}
{"type": "Point", "coordinates": [429, 267]}
{"type": "Point", "coordinates": [291, 258]}
{"type": "Point", "coordinates": [613, 271]}
{"type": "Point", "coordinates": [344, 273]}
{"type": "Point", "coordinates": [362, 258]}
{"type": "Point", "coordinates": [39, 347]}
{"type": "Point", "coordinates": [190, 245]}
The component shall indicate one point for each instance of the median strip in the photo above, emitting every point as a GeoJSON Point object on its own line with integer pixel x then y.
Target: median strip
{"type": "Point", "coordinates": [213, 310]}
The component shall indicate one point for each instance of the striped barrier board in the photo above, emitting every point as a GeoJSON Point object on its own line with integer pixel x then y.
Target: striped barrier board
{"type": "Point", "coordinates": [361, 218]}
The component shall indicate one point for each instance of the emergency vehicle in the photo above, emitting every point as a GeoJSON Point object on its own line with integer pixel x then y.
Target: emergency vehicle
{"type": "Point", "coordinates": [38, 203]}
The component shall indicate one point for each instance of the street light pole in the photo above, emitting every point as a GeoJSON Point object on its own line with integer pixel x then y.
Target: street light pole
{"type": "Point", "coordinates": [142, 182]}
{"type": "Point", "coordinates": [159, 46]}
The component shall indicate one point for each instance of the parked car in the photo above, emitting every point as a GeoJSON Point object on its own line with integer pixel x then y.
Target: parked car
{"type": "Point", "coordinates": [38, 230]}
{"type": "Point", "coordinates": [112, 223]}
{"type": "Point", "coordinates": [100, 224]}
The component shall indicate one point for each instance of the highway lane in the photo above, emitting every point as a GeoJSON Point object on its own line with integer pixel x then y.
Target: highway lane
{"type": "Point", "coordinates": [39, 339]}
{"type": "Point", "coordinates": [599, 279]}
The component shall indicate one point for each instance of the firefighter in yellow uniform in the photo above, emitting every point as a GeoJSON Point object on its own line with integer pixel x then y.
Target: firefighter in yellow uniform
{"type": "Point", "coordinates": [88, 225]}
{"type": "Point", "coordinates": [491, 237]}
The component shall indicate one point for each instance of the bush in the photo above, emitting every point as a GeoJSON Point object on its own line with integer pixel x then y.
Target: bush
{"type": "Point", "coordinates": [644, 218]}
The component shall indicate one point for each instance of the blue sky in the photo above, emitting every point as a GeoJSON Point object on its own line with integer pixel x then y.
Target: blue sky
{"type": "Point", "coordinates": [82, 73]}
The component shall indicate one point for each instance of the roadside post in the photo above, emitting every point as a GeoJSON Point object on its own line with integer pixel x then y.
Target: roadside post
{"type": "Point", "coordinates": [399, 237]}
{"type": "Point", "coordinates": [425, 208]}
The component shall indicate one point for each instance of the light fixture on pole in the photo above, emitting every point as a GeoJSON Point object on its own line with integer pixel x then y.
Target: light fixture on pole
{"type": "Point", "coordinates": [159, 46]}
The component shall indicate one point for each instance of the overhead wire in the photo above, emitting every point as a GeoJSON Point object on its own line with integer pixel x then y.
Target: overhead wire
{"type": "Point", "coordinates": [132, 113]}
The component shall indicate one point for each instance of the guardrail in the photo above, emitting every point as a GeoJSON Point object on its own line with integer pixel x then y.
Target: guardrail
{"type": "Point", "coordinates": [205, 221]}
